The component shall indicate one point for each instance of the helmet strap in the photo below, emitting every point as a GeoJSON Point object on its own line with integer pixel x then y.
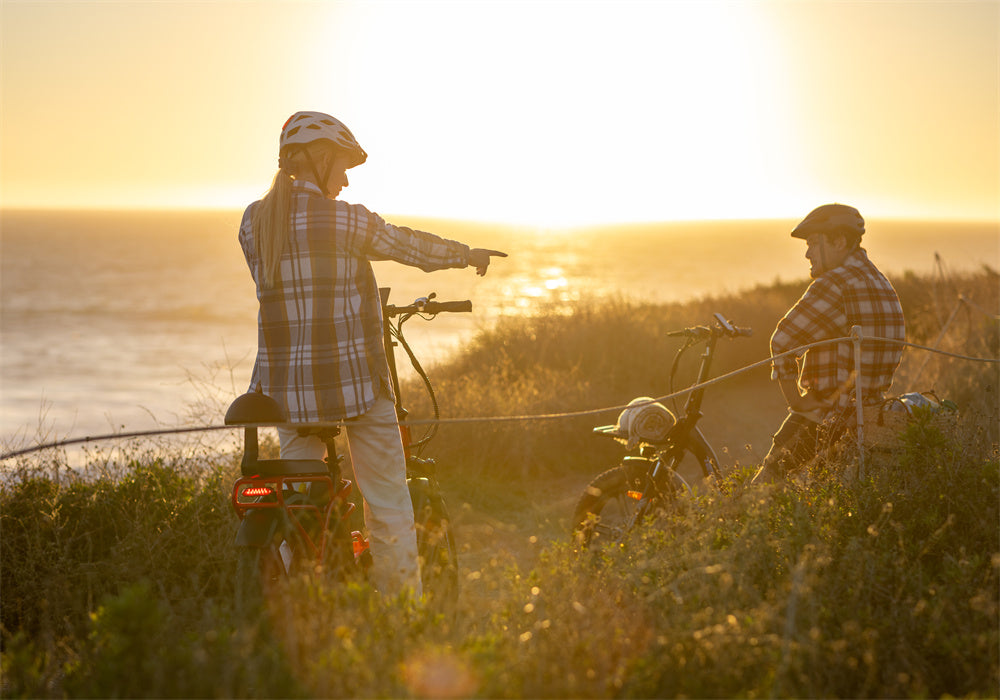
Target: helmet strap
{"type": "Point", "coordinates": [320, 181]}
{"type": "Point", "coordinates": [326, 176]}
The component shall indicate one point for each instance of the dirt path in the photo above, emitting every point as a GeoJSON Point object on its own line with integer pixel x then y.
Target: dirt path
{"type": "Point", "coordinates": [738, 425]}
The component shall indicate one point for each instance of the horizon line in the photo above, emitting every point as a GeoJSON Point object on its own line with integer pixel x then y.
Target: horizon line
{"type": "Point", "coordinates": [181, 209]}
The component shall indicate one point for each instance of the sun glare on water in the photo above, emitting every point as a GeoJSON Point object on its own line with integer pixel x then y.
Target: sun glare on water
{"type": "Point", "coordinates": [552, 280]}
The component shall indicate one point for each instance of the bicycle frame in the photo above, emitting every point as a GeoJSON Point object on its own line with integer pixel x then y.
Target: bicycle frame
{"type": "Point", "coordinates": [686, 433]}
{"type": "Point", "coordinates": [438, 553]}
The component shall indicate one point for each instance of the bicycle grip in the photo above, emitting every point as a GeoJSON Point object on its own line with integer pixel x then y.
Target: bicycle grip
{"type": "Point", "coordinates": [436, 307]}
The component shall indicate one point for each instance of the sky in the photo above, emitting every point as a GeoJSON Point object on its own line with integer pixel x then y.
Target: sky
{"type": "Point", "coordinates": [539, 112]}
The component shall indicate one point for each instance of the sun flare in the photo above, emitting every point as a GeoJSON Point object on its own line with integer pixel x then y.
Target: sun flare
{"type": "Point", "coordinates": [550, 114]}
{"type": "Point", "coordinates": [621, 110]}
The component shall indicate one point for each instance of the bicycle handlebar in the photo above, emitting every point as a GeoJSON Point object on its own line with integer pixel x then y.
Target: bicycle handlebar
{"type": "Point", "coordinates": [435, 307]}
{"type": "Point", "coordinates": [425, 305]}
{"type": "Point", "coordinates": [722, 328]}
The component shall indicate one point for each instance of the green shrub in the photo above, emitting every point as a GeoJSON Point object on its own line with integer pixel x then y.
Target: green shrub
{"type": "Point", "coordinates": [117, 580]}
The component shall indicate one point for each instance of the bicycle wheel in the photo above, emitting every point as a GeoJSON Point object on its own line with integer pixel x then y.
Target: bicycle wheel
{"type": "Point", "coordinates": [275, 545]}
{"type": "Point", "coordinates": [610, 506]}
{"type": "Point", "coordinates": [339, 564]}
{"type": "Point", "coordinates": [259, 573]}
{"type": "Point", "coordinates": [435, 543]}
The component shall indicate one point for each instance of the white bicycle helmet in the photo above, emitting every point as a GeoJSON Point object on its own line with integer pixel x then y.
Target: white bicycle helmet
{"type": "Point", "coordinates": [306, 127]}
{"type": "Point", "coordinates": [644, 420]}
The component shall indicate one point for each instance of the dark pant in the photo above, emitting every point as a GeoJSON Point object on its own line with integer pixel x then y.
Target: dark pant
{"type": "Point", "coordinates": [797, 441]}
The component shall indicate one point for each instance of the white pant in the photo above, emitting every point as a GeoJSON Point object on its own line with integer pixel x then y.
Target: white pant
{"type": "Point", "coordinates": [376, 453]}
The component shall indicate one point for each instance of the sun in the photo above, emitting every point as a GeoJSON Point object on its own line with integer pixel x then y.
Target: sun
{"type": "Point", "coordinates": [559, 114]}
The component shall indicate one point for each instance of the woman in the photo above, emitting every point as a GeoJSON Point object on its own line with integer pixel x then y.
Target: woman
{"type": "Point", "coordinates": [319, 333]}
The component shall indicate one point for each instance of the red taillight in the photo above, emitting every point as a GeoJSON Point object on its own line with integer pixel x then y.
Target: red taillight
{"type": "Point", "coordinates": [634, 495]}
{"type": "Point", "coordinates": [255, 491]}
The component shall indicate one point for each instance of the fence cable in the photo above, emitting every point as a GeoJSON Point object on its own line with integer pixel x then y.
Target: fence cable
{"type": "Point", "coordinates": [855, 338]}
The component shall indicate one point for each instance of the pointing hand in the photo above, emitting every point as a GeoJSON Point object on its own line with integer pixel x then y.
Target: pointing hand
{"type": "Point", "coordinates": [480, 259]}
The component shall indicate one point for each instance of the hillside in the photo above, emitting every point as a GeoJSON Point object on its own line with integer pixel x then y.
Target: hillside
{"type": "Point", "coordinates": [119, 581]}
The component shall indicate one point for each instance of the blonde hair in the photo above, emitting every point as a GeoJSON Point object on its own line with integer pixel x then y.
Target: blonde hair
{"type": "Point", "coordinates": [270, 220]}
{"type": "Point", "coordinates": [270, 227]}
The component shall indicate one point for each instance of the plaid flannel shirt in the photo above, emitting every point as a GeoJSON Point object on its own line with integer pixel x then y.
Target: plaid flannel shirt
{"type": "Point", "coordinates": [854, 294]}
{"type": "Point", "coordinates": [319, 328]}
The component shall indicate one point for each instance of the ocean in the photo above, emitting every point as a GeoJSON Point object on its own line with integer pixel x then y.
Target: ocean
{"type": "Point", "coordinates": [129, 321]}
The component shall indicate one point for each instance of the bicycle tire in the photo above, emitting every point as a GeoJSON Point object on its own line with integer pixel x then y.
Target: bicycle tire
{"type": "Point", "coordinates": [608, 508]}
{"type": "Point", "coordinates": [259, 573]}
{"type": "Point", "coordinates": [338, 562]}
{"type": "Point", "coordinates": [435, 544]}
{"type": "Point", "coordinates": [263, 568]}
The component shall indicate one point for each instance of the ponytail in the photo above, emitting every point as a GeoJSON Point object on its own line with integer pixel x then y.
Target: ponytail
{"type": "Point", "coordinates": [270, 227]}
{"type": "Point", "coordinates": [270, 216]}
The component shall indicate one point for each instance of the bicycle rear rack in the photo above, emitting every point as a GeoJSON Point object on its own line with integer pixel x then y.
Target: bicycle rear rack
{"type": "Point", "coordinates": [301, 489]}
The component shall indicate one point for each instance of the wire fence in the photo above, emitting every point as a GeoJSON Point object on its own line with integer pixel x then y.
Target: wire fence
{"type": "Point", "coordinates": [856, 338]}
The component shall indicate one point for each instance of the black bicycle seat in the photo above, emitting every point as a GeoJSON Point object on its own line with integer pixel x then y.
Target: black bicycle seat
{"type": "Point", "coordinates": [255, 408]}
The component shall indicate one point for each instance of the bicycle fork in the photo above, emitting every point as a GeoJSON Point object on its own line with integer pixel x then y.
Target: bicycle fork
{"type": "Point", "coordinates": [658, 485]}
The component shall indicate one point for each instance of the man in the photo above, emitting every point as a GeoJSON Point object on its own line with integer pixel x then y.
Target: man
{"type": "Point", "coordinates": [818, 384]}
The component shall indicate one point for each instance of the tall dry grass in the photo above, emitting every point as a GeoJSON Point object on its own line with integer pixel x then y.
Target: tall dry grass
{"type": "Point", "coordinates": [118, 582]}
{"type": "Point", "coordinates": [606, 353]}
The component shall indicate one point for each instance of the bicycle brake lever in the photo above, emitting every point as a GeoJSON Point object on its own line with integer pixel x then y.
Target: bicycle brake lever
{"type": "Point", "coordinates": [421, 302]}
{"type": "Point", "coordinates": [730, 329]}
{"type": "Point", "coordinates": [726, 325]}
{"type": "Point", "coordinates": [693, 333]}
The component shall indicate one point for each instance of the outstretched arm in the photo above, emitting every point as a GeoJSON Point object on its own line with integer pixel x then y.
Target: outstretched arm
{"type": "Point", "coordinates": [480, 259]}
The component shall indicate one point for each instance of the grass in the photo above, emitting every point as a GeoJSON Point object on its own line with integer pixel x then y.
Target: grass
{"type": "Point", "coordinates": [116, 580]}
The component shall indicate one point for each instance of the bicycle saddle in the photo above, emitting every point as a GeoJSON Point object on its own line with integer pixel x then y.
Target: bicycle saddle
{"type": "Point", "coordinates": [254, 408]}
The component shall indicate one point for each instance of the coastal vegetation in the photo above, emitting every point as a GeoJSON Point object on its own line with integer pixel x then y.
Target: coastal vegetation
{"type": "Point", "coordinates": [117, 577]}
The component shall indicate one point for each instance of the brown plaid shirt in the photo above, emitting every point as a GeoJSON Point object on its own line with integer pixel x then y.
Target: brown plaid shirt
{"type": "Point", "coordinates": [854, 294]}
{"type": "Point", "coordinates": [319, 329]}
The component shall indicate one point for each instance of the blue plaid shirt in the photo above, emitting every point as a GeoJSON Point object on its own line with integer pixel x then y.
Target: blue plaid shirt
{"type": "Point", "coordinates": [319, 329]}
{"type": "Point", "coordinates": [856, 293]}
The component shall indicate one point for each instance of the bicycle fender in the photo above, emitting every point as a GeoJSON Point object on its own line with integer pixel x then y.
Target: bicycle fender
{"type": "Point", "coordinates": [637, 468]}
{"type": "Point", "coordinates": [420, 490]}
{"type": "Point", "coordinates": [640, 464]}
{"type": "Point", "coordinates": [257, 528]}
{"type": "Point", "coordinates": [641, 467]}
